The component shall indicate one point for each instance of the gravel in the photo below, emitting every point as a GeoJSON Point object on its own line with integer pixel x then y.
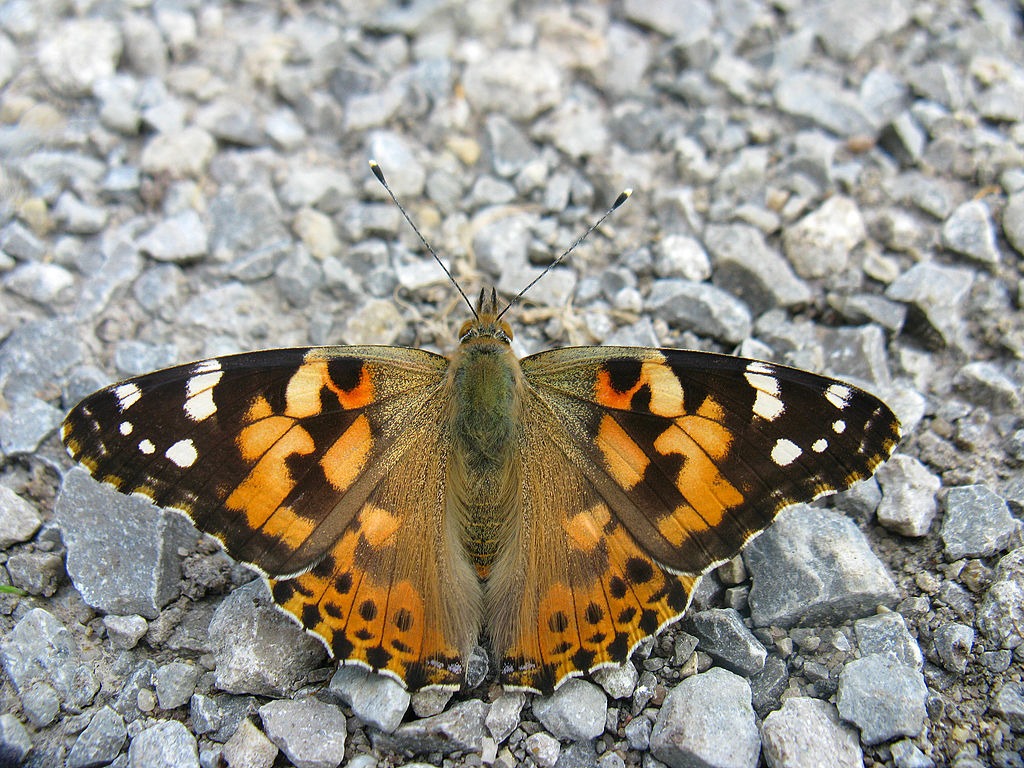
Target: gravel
{"type": "Point", "coordinates": [832, 185]}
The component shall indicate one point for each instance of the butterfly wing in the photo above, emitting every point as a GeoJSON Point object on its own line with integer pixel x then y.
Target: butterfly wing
{"type": "Point", "coordinates": [672, 460]}
{"type": "Point", "coordinates": [312, 464]}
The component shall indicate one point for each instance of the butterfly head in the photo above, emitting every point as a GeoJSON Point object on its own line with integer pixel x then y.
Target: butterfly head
{"type": "Point", "coordinates": [486, 322]}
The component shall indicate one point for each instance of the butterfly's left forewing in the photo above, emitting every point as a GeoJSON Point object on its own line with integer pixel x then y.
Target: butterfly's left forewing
{"type": "Point", "coordinates": [678, 459]}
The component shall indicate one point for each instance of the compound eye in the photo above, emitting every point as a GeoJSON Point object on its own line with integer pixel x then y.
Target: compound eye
{"type": "Point", "coordinates": [506, 329]}
{"type": "Point", "coordinates": [466, 328]}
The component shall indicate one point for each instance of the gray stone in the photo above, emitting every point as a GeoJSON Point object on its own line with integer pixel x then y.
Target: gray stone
{"type": "Point", "coordinates": [323, 188]}
{"type": "Point", "coordinates": [887, 634]}
{"type": "Point", "coordinates": [618, 680]}
{"type": "Point", "coordinates": [40, 703]}
{"type": "Point", "coordinates": [820, 243]}
{"type": "Point", "coordinates": [518, 83]}
{"type": "Point", "coordinates": [165, 744]}
{"type": "Point", "coordinates": [405, 174]}
{"type": "Point", "coordinates": [953, 643]}
{"type": "Point", "coordinates": [25, 424]}
{"type": "Point", "coordinates": [574, 712]}
{"type": "Point", "coordinates": [904, 139]}
{"type": "Point", "coordinates": [77, 53]}
{"type": "Point", "coordinates": [1002, 101]}
{"type": "Point", "coordinates": [15, 743]}
{"type": "Point", "coordinates": [133, 358]}
{"type": "Point", "coordinates": [249, 747]}
{"type": "Point", "coordinates": [77, 217]}
{"type": "Point", "coordinates": [638, 733]}
{"type": "Point", "coordinates": [503, 716]}
{"type": "Point", "coordinates": [40, 650]}
{"type": "Point", "coordinates": [544, 749]}
{"type": "Point", "coordinates": [297, 276]}
{"type": "Point", "coordinates": [768, 685]}
{"type": "Point", "coordinates": [554, 290]}
{"type": "Point", "coordinates": [825, 102]}
{"type": "Point", "coordinates": [311, 733]}
{"type": "Point", "coordinates": [430, 702]}
{"type": "Point", "coordinates": [125, 631]}
{"type": "Point", "coordinates": [970, 232]}
{"type": "Point", "coordinates": [977, 523]}
{"type": "Point", "coordinates": [284, 129]}
{"type": "Point", "coordinates": [48, 172]}
{"type": "Point", "coordinates": [908, 503]}
{"type": "Point", "coordinates": [939, 81]}
{"type": "Point", "coordinates": [218, 716]}
{"type": "Point", "coordinates": [258, 649]}
{"type": "Point", "coordinates": [905, 754]}
{"type": "Point", "coordinates": [813, 567]}
{"type": "Point", "coordinates": [501, 239]}
{"type": "Point", "coordinates": [701, 308]}
{"type": "Point", "coordinates": [986, 384]}
{"type": "Point", "coordinates": [511, 149]}
{"type": "Point", "coordinates": [182, 154]}
{"type": "Point", "coordinates": [745, 266]}
{"type": "Point", "coordinates": [1009, 704]}
{"type": "Point", "coordinates": [576, 127]}
{"type": "Point", "coordinates": [8, 60]}
{"type": "Point", "coordinates": [1013, 222]}
{"type": "Point", "coordinates": [882, 697]}
{"type": "Point", "coordinates": [681, 256]}
{"type": "Point", "coordinates": [19, 241]}
{"type": "Point", "coordinates": [460, 729]}
{"type": "Point", "coordinates": [39, 282]}
{"type": "Point", "coordinates": [934, 293]}
{"type": "Point", "coordinates": [175, 683]}
{"type": "Point", "coordinates": [230, 121]}
{"type": "Point", "coordinates": [375, 699]}
{"type": "Point", "coordinates": [726, 639]}
{"type": "Point", "coordinates": [180, 238]}
{"type": "Point", "coordinates": [707, 720]}
{"type": "Point", "coordinates": [1001, 613]}
{"type": "Point", "coordinates": [100, 742]}
{"type": "Point", "coordinates": [19, 520]}
{"type": "Point", "coordinates": [845, 29]}
{"type": "Point", "coordinates": [807, 732]}
{"type": "Point", "coordinates": [683, 20]}
{"type": "Point", "coordinates": [38, 573]}
{"type": "Point", "coordinates": [136, 542]}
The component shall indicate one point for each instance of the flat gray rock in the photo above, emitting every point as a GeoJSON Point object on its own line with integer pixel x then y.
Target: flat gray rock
{"type": "Point", "coordinates": [375, 699]}
{"type": "Point", "coordinates": [882, 697]}
{"type": "Point", "coordinates": [257, 648]}
{"type": "Point", "coordinates": [807, 733]}
{"type": "Point", "coordinates": [100, 742]}
{"type": "Point", "coordinates": [707, 720]}
{"type": "Point", "coordinates": [1001, 613]}
{"type": "Point", "coordinates": [19, 520]}
{"type": "Point", "coordinates": [574, 712]}
{"type": "Point", "coordinates": [908, 503]}
{"type": "Point", "coordinates": [701, 308]}
{"type": "Point", "coordinates": [953, 642]}
{"type": "Point", "coordinates": [137, 543]}
{"type": "Point", "coordinates": [519, 83]}
{"type": "Point", "coordinates": [977, 523]}
{"type": "Point", "coordinates": [887, 634]}
{"type": "Point", "coordinates": [15, 743]}
{"type": "Point", "coordinates": [814, 566]}
{"type": "Point", "coordinates": [820, 243]}
{"type": "Point", "coordinates": [459, 729]}
{"type": "Point", "coordinates": [723, 635]}
{"type": "Point", "coordinates": [970, 232]}
{"type": "Point", "coordinates": [40, 650]}
{"type": "Point", "coordinates": [309, 732]}
{"type": "Point", "coordinates": [934, 293]}
{"type": "Point", "coordinates": [165, 744]}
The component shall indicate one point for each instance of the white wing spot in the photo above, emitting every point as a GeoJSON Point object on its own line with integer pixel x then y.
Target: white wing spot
{"type": "Point", "coordinates": [183, 453]}
{"type": "Point", "coordinates": [127, 395]}
{"type": "Point", "coordinates": [819, 445]}
{"type": "Point", "coordinates": [207, 366]}
{"type": "Point", "coordinates": [199, 403]}
{"type": "Point", "coordinates": [838, 395]}
{"type": "Point", "coordinates": [767, 404]}
{"type": "Point", "coordinates": [126, 428]}
{"type": "Point", "coordinates": [785, 452]}
{"type": "Point", "coordinates": [839, 426]}
{"type": "Point", "coordinates": [756, 366]}
{"type": "Point", "coordinates": [147, 447]}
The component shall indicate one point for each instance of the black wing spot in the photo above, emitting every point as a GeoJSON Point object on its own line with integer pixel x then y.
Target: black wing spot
{"type": "Point", "coordinates": [594, 613]}
{"type": "Point", "coordinates": [368, 610]}
{"type": "Point", "coordinates": [558, 622]}
{"type": "Point", "coordinates": [623, 374]}
{"type": "Point", "coordinates": [403, 620]}
{"type": "Point", "coordinates": [345, 372]}
{"type": "Point", "coordinates": [343, 584]}
{"type": "Point", "coordinates": [639, 571]}
{"type": "Point", "coordinates": [310, 615]}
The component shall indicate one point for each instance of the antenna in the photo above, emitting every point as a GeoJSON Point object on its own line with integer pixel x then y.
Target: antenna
{"type": "Point", "coordinates": [623, 197]}
{"type": "Point", "coordinates": [380, 177]}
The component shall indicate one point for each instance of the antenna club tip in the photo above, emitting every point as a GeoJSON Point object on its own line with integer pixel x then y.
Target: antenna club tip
{"type": "Point", "coordinates": [377, 172]}
{"type": "Point", "coordinates": [623, 197]}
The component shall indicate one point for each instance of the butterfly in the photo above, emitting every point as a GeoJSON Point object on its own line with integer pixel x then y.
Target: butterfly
{"type": "Point", "coordinates": [402, 504]}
